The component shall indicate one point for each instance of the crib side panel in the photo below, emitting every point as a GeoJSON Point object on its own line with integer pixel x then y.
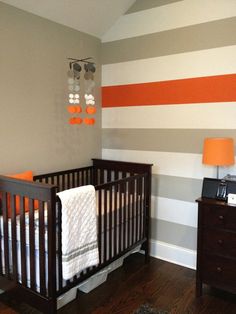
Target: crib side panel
{"type": "Point", "coordinates": [28, 239]}
{"type": "Point", "coordinates": [67, 179]}
{"type": "Point", "coordinates": [121, 216]}
{"type": "Point", "coordinates": [121, 209]}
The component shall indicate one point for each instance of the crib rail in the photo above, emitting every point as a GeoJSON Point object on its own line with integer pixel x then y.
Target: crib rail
{"type": "Point", "coordinates": [67, 179]}
{"type": "Point", "coordinates": [111, 170]}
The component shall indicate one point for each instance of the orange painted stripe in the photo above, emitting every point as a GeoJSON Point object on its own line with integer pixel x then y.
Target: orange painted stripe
{"type": "Point", "coordinates": [221, 88]}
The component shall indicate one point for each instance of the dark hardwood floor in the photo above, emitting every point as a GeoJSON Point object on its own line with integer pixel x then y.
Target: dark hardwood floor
{"type": "Point", "coordinates": [162, 285]}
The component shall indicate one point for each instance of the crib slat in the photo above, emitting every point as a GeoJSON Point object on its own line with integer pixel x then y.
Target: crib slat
{"type": "Point", "coordinates": [131, 201]}
{"type": "Point", "coordinates": [120, 217]}
{"type": "Point", "coordinates": [59, 247]}
{"type": "Point", "coordinates": [87, 176]}
{"type": "Point", "coordinates": [110, 221]}
{"type": "Point", "coordinates": [32, 245]}
{"type": "Point", "coordinates": [23, 241]}
{"type": "Point", "coordinates": [42, 249]}
{"type": "Point", "coordinates": [136, 210]}
{"type": "Point", "coordinates": [73, 180]}
{"type": "Point", "coordinates": [68, 181]}
{"type": "Point", "coordinates": [83, 180]}
{"type": "Point", "coordinates": [133, 213]}
{"type": "Point", "coordinates": [102, 176]}
{"type": "Point", "coordinates": [77, 178]}
{"type": "Point", "coordinates": [124, 210]}
{"type": "Point", "coordinates": [63, 182]}
{"type": "Point", "coordinates": [105, 227]}
{"type": "Point", "coordinates": [5, 232]}
{"type": "Point", "coordinates": [144, 207]}
{"type": "Point", "coordinates": [58, 181]}
{"type": "Point", "coordinates": [100, 225]}
{"type": "Point", "coordinates": [14, 238]}
{"type": "Point", "coordinates": [52, 245]}
{"type": "Point", "coordinates": [128, 213]}
{"type": "Point", "coordinates": [141, 209]}
{"type": "Point", "coordinates": [115, 220]}
{"type": "Point", "coordinates": [108, 175]}
{"type": "Point", "coordinates": [2, 195]}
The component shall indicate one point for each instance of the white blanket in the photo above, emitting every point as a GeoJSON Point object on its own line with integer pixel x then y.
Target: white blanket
{"type": "Point", "coordinates": [79, 230]}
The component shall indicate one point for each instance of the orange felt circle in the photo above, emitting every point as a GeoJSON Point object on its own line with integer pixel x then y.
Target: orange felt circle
{"type": "Point", "coordinates": [72, 109]}
{"type": "Point", "coordinates": [72, 120]}
{"type": "Point", "coordinates": [91, 110]}
{"type": "Point", "coordinates": [78, 109]}
{"type": "Point", "coordinates": [78, 120]}
{"type": "Point", "coordinates": [89, 121]}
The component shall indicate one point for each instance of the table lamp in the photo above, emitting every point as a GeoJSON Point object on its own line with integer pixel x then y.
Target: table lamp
{"type": "Point", "coordinates": [218, 151]}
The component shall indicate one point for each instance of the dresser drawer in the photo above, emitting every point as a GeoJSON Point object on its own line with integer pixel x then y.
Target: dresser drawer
{"type": "Point", "coordinates": [218, 270]}
{"type": "Point", "coordinates": [218, 216]}
{"type": "Point", "coordinates": [218, 241]}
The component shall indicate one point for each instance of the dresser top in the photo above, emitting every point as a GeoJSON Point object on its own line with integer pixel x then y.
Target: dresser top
{"type": "Point", "coordinates": [213, 202]}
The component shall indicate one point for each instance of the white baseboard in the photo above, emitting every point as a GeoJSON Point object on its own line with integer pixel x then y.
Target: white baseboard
{"type": "Point", "coordinates": [174, 254]}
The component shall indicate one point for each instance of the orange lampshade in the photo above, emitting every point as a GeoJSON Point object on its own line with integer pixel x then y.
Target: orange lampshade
{"type": "Point", "coordinates": [218, 151]}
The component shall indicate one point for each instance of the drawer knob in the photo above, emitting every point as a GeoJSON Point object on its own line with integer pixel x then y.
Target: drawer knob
{"type": "Point", "coordinates": [220, 242]}
{"type": "Point", "coordinates": [219, 269]}
{"type": "Point", "coordinates": [221, 217]}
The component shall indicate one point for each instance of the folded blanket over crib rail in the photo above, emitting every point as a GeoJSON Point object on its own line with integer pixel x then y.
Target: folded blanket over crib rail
{"type": "Point", "coordinates": [79, 230]}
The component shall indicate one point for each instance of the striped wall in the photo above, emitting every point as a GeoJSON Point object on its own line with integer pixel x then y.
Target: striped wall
{"type": "Point", "coordinates": [169, 81]}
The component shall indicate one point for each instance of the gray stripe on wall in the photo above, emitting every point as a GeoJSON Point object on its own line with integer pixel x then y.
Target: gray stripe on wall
{"type": "Point", "coordinates": [179, 188]}
{"type": "Point", "coordinates": [175, 234]}
{"type": "Point", "coordinates": [141, 5]}
{"type": "Point", "coordinates": [162, 140]}
{"type": "Point", "coordinates": [191, 38]}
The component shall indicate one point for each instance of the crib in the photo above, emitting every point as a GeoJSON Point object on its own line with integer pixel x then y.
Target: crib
{"type": "Point", "coordinates": [33, 262]}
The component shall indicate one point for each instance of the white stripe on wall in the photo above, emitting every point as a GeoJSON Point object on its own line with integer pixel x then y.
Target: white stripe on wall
{"type": "Point", "coordinates": [209, 62]}
{"type": "Point", "coordinates": [165, 163]}
{"type": "Point", "coordinates": [171, 16]}
{"type": "Point", "coordinates": [176, 211]}
{"type": "Point", "coordinates": [168, 163]}
{"type": "Point", "coordinates": [188, 116]}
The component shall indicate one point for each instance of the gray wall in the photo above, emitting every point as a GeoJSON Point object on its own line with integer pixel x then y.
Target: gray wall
{"type": "Point", "coordinates": [160, 43]}
{"type": "Point", "coordinates": [34, 129]}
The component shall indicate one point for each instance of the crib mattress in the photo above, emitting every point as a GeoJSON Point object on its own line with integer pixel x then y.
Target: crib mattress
{"type": "Point", "coordinates": [111, 208]}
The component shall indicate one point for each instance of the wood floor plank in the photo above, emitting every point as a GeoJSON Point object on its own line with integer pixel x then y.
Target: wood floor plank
{"type": "Point", "coordinates": [160, 284]}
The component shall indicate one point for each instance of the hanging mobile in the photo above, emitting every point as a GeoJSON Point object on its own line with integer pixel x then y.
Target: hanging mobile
{"type": "Point", "coordinates": [74, 100]}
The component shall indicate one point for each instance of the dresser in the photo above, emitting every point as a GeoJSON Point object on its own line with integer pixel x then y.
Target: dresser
{"type": "Point", "coordinates": [216, 245]}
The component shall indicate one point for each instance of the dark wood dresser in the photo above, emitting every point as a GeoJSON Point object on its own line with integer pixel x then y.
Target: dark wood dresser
{"type": "Point", "coordinates": [216, 247]}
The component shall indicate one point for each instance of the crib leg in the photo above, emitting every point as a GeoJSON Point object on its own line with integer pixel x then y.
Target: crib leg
{"type": "Point", "coordinates": [147, 255]}
{"type": "Point", "coordinates": [53, 307]}
{"type": "Point", "coordinates": [147, 251]}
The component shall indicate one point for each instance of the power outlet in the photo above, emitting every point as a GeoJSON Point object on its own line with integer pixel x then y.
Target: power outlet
{"type": "Point", "coordinates": [232, 199]}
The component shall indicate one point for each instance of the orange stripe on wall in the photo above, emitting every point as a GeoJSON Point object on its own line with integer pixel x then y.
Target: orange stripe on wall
{"type": "Point", "coordinates": [221, 88]}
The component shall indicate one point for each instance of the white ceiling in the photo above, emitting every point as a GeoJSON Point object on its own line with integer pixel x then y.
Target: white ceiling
{"type": "Point", "coordinates": [94, 17]}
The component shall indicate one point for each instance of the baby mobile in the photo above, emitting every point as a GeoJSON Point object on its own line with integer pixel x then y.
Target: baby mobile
{"type": "Point", "coordinates": [75, 107]}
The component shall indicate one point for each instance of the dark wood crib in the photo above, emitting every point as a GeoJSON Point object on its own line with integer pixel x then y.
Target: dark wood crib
{"type": "Point", "coordinates": [123, 192]}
